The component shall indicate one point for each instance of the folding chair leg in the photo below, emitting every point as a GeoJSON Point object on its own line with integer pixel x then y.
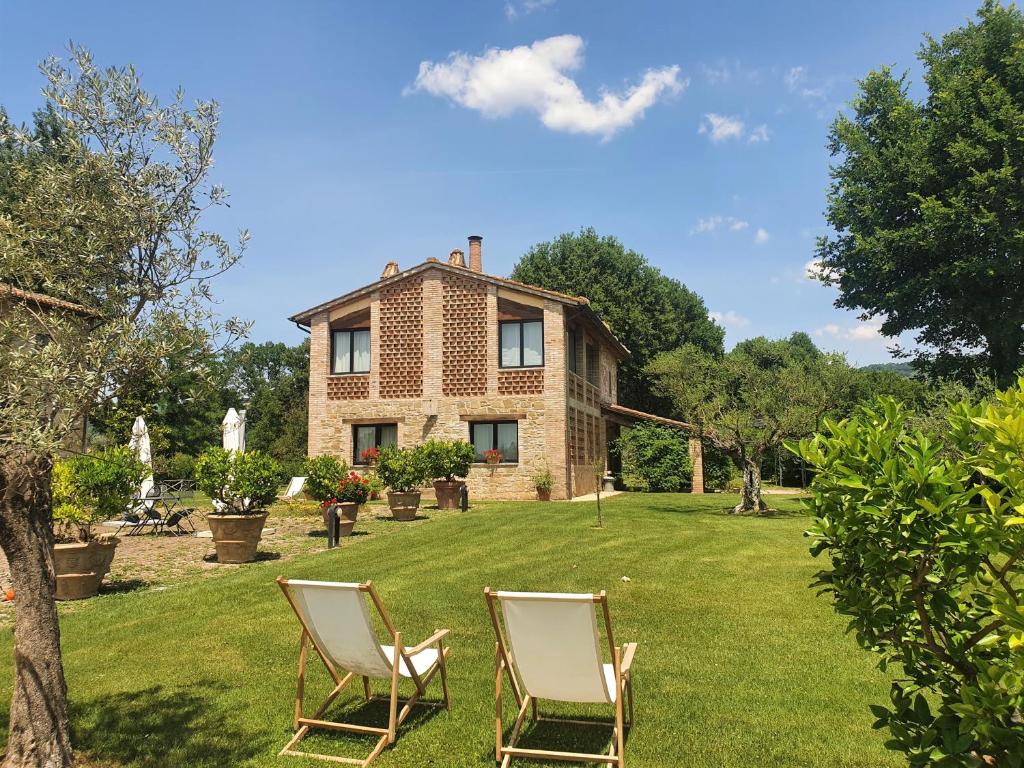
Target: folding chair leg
{"type": "Point", "coordinates": [366, 688]}
{"type": "Point", "coordinates": [443, 671]}
{"type": "Point", "coordinates": [619, 735]}
{"type": "Point", "coordinates": [629, 691]}
{"type": "Point", "coordinates": [301, 688]}
{"type": "Point", "coordinates": [393, 713]}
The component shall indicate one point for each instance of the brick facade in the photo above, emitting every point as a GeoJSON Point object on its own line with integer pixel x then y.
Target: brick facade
{"type": "Point", "coordinates": [434, 370]}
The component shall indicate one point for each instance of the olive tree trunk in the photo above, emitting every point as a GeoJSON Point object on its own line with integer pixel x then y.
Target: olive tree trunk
{"type": "Point", "coordinates": [39, 734]}
{"type": "Point", "coordinates": [750, 497]}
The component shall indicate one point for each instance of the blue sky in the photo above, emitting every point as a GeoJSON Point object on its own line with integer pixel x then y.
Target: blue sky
{"type": "Point", "coordinates": [355, 133]}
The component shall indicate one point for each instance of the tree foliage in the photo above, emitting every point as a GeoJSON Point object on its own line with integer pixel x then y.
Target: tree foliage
{"type": "Point", "coordinates": [927, 199]}
{"type": "Point", "coordinates": [926, 545]}
{"type": "Point", "coordinates": [648, 312]}
{"type": "Point", "coordinates": [655, 458]}
{"type": "Point", "coordinates": [753, 398]}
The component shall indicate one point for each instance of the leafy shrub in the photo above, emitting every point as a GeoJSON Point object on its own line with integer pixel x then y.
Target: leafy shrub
{"type": "Point", "coordinates": [447, 459]}
{"type": "Point", "coordinates": [719, 469]}
{"type": "Point", "coordinates": [655, 458]}
{"type": "Point", "coordinates": [543, 481]}
{"type": "Point", "coordinates": [93, 487]}
{"type": "Point", "coordinates": [180, 466]}
{"type": "Point", "coordinates": [323, 473]}
{"type": "Point", "coordinates": [239, 483]}
{"type": "Point", "coordinates": [926, 543]}
{"type": "Point", "coordinates": [402, 470]}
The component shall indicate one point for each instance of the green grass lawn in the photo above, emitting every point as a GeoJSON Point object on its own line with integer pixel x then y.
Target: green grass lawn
{"type": "Point", "coordinates": [739, 663]}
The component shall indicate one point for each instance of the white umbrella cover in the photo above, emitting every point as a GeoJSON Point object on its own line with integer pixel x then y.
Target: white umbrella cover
{"type": "Point", "coordinates": [139, 445]}
{"type": "Point", "coordinates": [233, 429]}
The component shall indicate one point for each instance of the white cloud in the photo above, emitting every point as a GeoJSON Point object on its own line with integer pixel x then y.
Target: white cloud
{"type": "Point", "coordinates": [730, 319]}
{"type": "Point", "coordinates": [724, 71]}
{"type": "Point", "coordinates": [711, 223]}
{"type": "Point", "coordinates": [813, 270]}
{"type": "Point", "coordinates": [525, 7]}
{"type": "Point", "coordinates": [532, 78]}
{"type": "Point", "coordinates": [758, 135]}
{"type": "Point", "coordinates": [796, 81]}
{"type": "Point", "coordinates": [761, 236]}
{"type": "Point", "coordinates": [721, 127]}
{"type": "Point", "coordinates": [865, 330]}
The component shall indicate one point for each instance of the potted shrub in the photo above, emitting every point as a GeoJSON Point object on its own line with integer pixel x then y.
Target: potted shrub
{"type": "Point", "coordinates": [242, 486]}
{"type": "Point", "coordinates": [323, 474]}
{"type": "Point", "coordinates": [543, 481]}
{"type": "Point", "coordinates": [87, 489]}
{"type": "Point", "coordinates": [447, 461]}
{"type": "Point", "coordinates": [402, 471]}
{"type": "Point", "coordinates": [353, 491]}
{"type": "Point", "coordinates": [492, 456]}
{"type": "Point", "coordinates": [376, 486]}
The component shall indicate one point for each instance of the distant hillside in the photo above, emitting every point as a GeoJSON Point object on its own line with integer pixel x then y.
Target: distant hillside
{"type": "Point", "coordinates": [903, 369]}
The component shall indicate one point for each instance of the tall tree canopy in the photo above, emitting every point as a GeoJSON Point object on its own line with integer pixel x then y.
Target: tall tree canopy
{"type": "Point", "coordinates": [927, 200]}
{"type": "Point", "coordinates": [751, 399]}
{"type": "Point", "coordinates": [647, 311]}
{"type": "Point", "coordinates": [111, 221]}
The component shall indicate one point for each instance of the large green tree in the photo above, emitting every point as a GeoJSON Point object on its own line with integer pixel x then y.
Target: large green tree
{"type": "Point", "coordinates": [750, 400]}
{"type": "Point", "coordinates": [113, 222]}
{"type": "Point", "coordinates": [649, 312]}
{"type": "Point", "coordinates": [927, 200]}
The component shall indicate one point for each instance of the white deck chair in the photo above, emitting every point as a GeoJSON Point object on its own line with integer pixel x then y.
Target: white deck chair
{"type": "Point", "coordinates": [335, 619]}
{"type": "Point", "coordinates": [295, 486]}
{"type": "Point", "coordinates": [551, 649]}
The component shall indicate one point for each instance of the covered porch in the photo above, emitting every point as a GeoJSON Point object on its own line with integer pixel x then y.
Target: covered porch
{"type": "Point", "coordinates": [617, 417]}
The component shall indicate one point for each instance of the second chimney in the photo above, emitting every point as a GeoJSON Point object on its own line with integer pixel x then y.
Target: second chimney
{"type": "Point", "coordinates": [475, 257]}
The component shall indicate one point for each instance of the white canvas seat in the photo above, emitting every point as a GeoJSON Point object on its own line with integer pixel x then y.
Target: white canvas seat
{"type": "Point", "coordinates": [295, 486]}
{"type": "Point", "coordinates": [551, 648]}
{"type": "Point", "coordinates": [335, 619]}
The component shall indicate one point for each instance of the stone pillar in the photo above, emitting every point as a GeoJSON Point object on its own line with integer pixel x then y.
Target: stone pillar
{"type": "Point", "coordinates": [493, 340]}
{"type": "Point", "coordinates": [319, 370]}
{"type": "Point", "coordinates": [555, 403]}
{"type": "Point", "coordinates": [697, 460]}
{"type": "Point", "coordinates": [433, 334]}
{"type": "Point", "coordinates": [375, 345]}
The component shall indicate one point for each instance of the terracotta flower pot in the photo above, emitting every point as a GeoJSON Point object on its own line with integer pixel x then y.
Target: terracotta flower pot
{"type": "Point", "coordinates": [236, 536]}
{"type": "Point", "coordinates": [347, 513]}
{"type": "Point", "coordinates": [448, 492]}
{"type": "Point", "coordinates": [543, 494]}
{"type": "Point", "coordinates": [493, 460]}
{"type": "Point", "coordinates": [404, 505]}
{"type": "Point", "coordinates": [80, 567]}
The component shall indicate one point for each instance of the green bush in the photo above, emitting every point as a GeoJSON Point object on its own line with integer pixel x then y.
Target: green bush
{"type": "Point", "coordinates": [655, 458]}
{"type": "Point", "coordinates": [180, 466]}
{"type": "Point", "coordinates": [239, 483]}
{"type": "Point", "coordinates": [926, 547]}
{"type": "Point", "coordinates": [719, 469]}
{"type": "Point", "coordinates": [93, 487]}
{"type": "Point", "coordinates": [402, 470]}
{"type": "Point", "coordinates": [323, 473]}
{"type": "Point", "coordinates": [447, 459]}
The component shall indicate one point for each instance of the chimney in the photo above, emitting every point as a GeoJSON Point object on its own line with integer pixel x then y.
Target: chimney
{"type": "Point", "coordinates": [475, 257]}
{"type": "Point", "coordinates": [390, 269]}
{"type": "Point", "coordinates": [457, 259]}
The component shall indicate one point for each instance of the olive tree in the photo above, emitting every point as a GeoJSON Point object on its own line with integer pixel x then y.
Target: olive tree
{"type": "Point", "coordinates": [111, 224]}
{"type": "Point", "coordinates": [752, 398]}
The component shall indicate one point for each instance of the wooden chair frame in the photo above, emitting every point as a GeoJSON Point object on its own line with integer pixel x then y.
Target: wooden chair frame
{"type": "Point", "coordinates": [303, 725]}
{"type": "Point", "coordinates": [622, 660]}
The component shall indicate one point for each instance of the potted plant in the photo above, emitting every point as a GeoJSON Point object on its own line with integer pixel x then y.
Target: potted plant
{"type": "Point", "coordinates": [369, 455]}
{"type": "Point", "coordinates": [353, 491]}
{"type": "Point", "coordinates": [543, 481]}
{"type": "Point", "coordinates": [323, 473]}
{"type": "Point", "coordinates": [492, 456]}
{"type": "Point", "coordinates": [402, 471]}
{"type": "Point", "coordinates": [376, 486]}
{"type": "Point", "coordinates": [447, 461]}
{"type": "Point", "coordinates": [242, 486]}
{"type": "Point", "coordinates": [87, 489]}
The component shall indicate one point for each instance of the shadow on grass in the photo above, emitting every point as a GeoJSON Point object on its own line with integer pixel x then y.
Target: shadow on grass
{"type": "Point", "coordinates": [323, 534]}
{"type": "Point", "coordinates": [160, 726]}
{"type": "Point", "coordinates": [122, 586]}
{"type": "Point", "coordinates": [553, 735]}
{"type": "Point", "coordinates": [261, 557]}
{"type": "Point", "coordinates": [372, 713]}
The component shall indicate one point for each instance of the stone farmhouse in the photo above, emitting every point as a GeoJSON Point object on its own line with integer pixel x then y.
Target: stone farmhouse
{"type": "Point", "coordinates": [444, 350]}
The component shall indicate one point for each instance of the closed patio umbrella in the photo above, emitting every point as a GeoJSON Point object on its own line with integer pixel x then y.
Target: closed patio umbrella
{"type": "Point", "coordinates": [233, 429]}
{"type": "Point", "coordinates": [139, 445]}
